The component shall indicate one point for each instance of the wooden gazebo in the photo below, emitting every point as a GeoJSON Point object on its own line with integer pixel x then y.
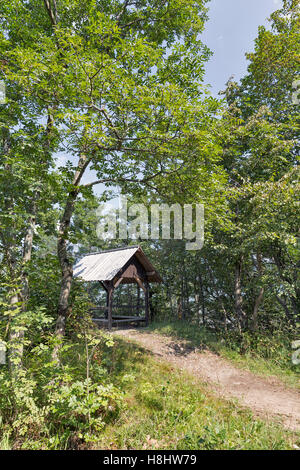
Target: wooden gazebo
{"type": "Point", "coordinates": [113, 267]}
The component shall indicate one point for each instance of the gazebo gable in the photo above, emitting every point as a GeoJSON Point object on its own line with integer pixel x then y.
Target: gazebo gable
{"type": "Point", "coordinates": [130, 272]}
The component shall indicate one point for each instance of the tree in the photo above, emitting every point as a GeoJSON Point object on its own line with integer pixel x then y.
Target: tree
{"type": "Point", "coordinates": [246, 276]}
{"type": "Point", "coordinates": [260, 151]}
{"type": "Point", "coordinates": [122, 83]}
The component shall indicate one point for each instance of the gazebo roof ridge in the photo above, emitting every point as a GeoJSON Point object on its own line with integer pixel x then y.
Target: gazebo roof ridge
{"type": "Point", "coordinates": [128, 247]}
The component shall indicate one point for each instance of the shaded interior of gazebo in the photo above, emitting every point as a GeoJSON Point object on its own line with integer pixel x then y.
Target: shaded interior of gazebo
{"type": "Point", "coordinates": [112, 268]}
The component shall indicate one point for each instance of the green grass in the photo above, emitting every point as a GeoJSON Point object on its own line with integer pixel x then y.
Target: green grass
{"type": "Point", "coordinates": [145, 404]}
{"type": "Point", "coordinates": [168, 409]}
{"type": "Point", "coordinates": [269, 357]}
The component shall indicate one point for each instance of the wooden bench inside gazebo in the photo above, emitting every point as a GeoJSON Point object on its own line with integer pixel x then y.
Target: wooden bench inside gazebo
{"type": "Point", "coordinates": [114, 267]}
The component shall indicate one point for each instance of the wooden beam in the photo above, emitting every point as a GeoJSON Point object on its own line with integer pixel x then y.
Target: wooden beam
{"type": "Point", "coordinates": [118, 282]}
{"type": "Point", "coordinates": [140, 283]}
{"type": "Point", "coordinates": [103, 285]}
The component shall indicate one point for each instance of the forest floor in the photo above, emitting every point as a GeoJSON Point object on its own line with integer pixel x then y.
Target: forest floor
{"type": "Point", "coordinates": [267, 397]}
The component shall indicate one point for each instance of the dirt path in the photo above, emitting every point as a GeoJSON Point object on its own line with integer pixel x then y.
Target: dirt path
{"type": "Point", "coordinates": [266, 397]}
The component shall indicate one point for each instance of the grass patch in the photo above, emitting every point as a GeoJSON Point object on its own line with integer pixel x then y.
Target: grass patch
{"type": "Point", "coordinates": [129, 401]}
{"type": "Point", "coordinates": [167, 409]}
{"type": "Point", "coordinates": [263, 355]}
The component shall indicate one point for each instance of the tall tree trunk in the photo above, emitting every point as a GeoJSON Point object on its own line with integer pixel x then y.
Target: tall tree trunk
{"type": "Point", "coordinates": [27, 252]}
{"type": "Point", "coordinates": [202, 299]}
{"type": "Point", "coordinates": [241, 315]}
{"type": "Point", "coordinates": [62, 251]}
{"type": "Point", "coordinates": [16, 336]}
{"type": "Point", "coordinates": [260, 296]}
{"type": "Point", "coordinates": [224, 317]}
{"type": "Point", "coordinates": [151, 306]}
{"type": "Point", "coordinates": [257, 304]}
{"type": "Point", "coordinates": [18, 301]}
{"type": "Point", "coordinates": [16, 333]}
{"type": "Point", "coordinates": [65, 264]}
{"type": "Point", "coordinates": [179, 309]}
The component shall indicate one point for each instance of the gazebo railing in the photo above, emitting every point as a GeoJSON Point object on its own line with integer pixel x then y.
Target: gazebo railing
{"type": "Point", "coordinates": [120, 312]}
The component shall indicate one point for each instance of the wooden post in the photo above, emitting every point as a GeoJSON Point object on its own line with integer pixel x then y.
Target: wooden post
{"type": "Point", "coordinates": [107, 303]}
{"type": "Point", "coordinates": [103, 284]}
{"type": "Point", "coordinates": [138, 301]}
{"type": "Point", "coordinates": [109, 306]}
{"type": "Point", "coordinates": [151, 309]}
{"type": "Point", "coordinates": [146, 301]}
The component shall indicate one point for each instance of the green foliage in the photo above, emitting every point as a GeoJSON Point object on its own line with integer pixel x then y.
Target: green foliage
{"type": "Point", "coordinates": [82, 406]}
{"type": "Point", "coordinates": [246, 278]}
{"type": "Point", "coordinates": [52, 407]}
{"type": "Point", "coordinates": [117, 88]}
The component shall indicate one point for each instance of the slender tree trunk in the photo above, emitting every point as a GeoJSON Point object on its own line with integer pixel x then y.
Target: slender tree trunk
{"type": "Point", "coordinates": [19, 301]}
{"type": "Point", "coordinates": [27, 252]}
{"type": "Point", "coordinates": [14, 328]}
{"type": "Point", "coordinates": [179, 309]}
{"type": "Point", "coordinates": [260, 296]}
{"type": "Point", "coordinates": [202, 300]}
{"type": "Point", "coordinates": [16, 336]}
{"type": "Point", "coordinates": [65, 261]}
{"type": "Point", "coordinates": [224, 317]}
{"type": "Point", "coordinates": [65, 264]}
{"type": "Point", "coordinates": [241, 315]}
{"type": "Point", "coordinates": [257, 304]}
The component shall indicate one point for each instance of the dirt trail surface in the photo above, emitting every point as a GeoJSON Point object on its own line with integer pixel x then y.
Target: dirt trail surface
{"type": "Point", "coordinates": [267, 397]}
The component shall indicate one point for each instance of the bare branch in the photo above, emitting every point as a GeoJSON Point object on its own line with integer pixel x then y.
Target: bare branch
{"type": "Point", "coordinates": [51, 12]}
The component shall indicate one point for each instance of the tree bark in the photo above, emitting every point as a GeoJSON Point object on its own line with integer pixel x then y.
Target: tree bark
{"type": "Point", "coordinates": [257, 304]}
{"type": "Point", "coordinates": [16, 336]}
{"type": "Point", "coordinates": [65, 261]}
{"type": "Point", "coordinates": [27, 253]}
{"type": "Point", "coordinates": [151, 306]}
{"type": "Point", "coordinates": [202, 299]}
{"type": "Point", "coordinates": [241, 315]}
{"type": "Point", "coordinates": [65, 264]}
{"type": "Point", "coordinates": [260, 296]}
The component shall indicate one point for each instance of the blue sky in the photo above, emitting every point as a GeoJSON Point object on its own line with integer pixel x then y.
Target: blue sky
{"type": "Point", "coordinates": [230, 33]}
